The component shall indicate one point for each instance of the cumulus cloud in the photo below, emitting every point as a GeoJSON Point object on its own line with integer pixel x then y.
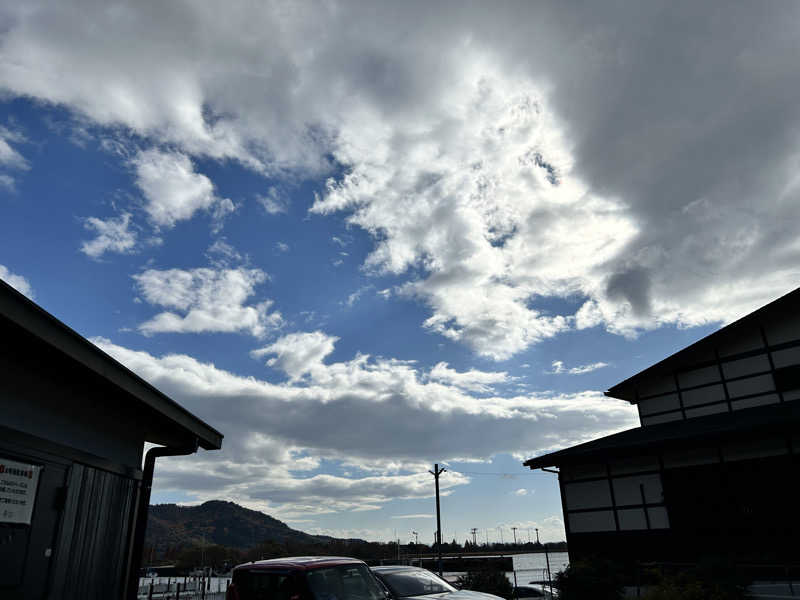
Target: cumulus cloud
{"type": "Point", "coordinates": [500, 156]}
{"type": "Point", "coordinates": [18, 282]}
{"type": "Point", "coordinates": [521, 492]}
{"type": "Point", "coordinates": [113, 235]}
{"type": "Point", "coordinates": [558, 368]}
{"type": "Point", "coordinates": [173, 191]}
{"type": "Point", "coordinates": [278, 434]}
{"type": "Point", "coordinates": [298, 353]}
{"type": "Point", "coordinates": [491, 229]}
{"type": "Point", "coordinates": [207, 300]}
{"type": "Point", "coordinates": [472, 380]}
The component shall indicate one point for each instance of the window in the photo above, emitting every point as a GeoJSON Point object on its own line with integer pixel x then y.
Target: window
{"type": "Point", "coordinates": [345, 582]}
{"type": "Point", "coordinates": [265, 585]}
{"type": "Point", "coordinates": [415, 583]}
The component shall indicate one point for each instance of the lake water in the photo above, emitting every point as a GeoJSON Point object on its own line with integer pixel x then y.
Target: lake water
{"type": "Point", "coordinates": [530, 567]}
{"type": "Point", "coordinates": [533, 567]}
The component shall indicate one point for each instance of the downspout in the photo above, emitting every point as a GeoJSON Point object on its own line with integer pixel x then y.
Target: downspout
{"type": "Point", "coordinates": [137, 543]}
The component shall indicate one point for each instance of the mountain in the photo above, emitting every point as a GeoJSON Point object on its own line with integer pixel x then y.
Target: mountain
{"type": "Point", "coordinates": [218, 522]}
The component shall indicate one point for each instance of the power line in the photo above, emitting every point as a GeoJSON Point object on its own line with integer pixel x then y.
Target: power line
{"type": "Point", "coordinates": [508, 475]}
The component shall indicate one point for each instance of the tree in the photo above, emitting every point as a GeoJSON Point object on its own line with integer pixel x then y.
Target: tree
{"type": "Point", "coordinates": [597, 579]}
{"type": "Point", "coordinates": [487, 581]}
{"type": "Point", "coordinates": [711, 579]}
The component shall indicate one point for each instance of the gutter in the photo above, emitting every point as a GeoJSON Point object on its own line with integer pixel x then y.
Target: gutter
{"type": "Point", "coordinates": [140, 514]}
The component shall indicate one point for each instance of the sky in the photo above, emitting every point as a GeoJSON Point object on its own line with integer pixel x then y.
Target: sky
{"type": "Point", "coordinates": [363, 238]}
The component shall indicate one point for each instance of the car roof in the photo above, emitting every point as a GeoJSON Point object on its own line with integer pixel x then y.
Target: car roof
{"type": "Point", "coordinates": [393, 568]}
{"type": "Point", "coordinates": [300, 563]}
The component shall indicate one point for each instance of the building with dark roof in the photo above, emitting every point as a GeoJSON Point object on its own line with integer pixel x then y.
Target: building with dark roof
{"type": "Point", "coordinates": [711, 470]}
{"type": "Point", "coordinates": [73, 490]}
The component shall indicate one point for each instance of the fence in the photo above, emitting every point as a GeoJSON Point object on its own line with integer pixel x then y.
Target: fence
{"type": "Point", "coordinates": [183, 588]}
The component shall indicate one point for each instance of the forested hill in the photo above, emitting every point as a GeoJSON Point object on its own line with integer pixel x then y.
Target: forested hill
{"type": "Point", "coordinates": [221, 523]}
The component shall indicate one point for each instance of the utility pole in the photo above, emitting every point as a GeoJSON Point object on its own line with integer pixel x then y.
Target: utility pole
{"type": "Point", "coordinates": [474, 532]}
{"type": "Point", "coordinates": [436, 472]}
{"type": "Point", "coordinates": [416, 545]}
{"type": "Point", "coordinates": [514, 530]}
{"type": "Point", "coordinates": [549, 576]}
{"type": "Point", "coordinates": [500, 529]}
{"type": "Point", "coordinates": [537, 536]}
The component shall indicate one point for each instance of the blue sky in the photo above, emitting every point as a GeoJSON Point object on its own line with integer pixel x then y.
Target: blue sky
{"type": "Point", "coordinates": [361, 239]}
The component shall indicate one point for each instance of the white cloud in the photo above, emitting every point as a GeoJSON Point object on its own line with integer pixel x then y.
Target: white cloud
{"type": "Point", "coordinates": [281, 246]}
{"type": "Point", "coordinates": [551, 529]}
{"type": "Point", "coordinates": [174, 191]}
{"type": "Point", "coordinates": [9, 157]}
{"type": "Point", "coordinates": [417, 516]}
{"type": "Point", "coordinates": [18, 282]}
{"type": "Point", "coordinates": [222, 208]}
{"type": "Point", "coordinates": [521, 492]}
{"type": "Point", "coordinates": [383, 418]}
{"type": "Point", "coordinates": [492, 229]}
{"type": "Point", "coordinates": [355, 296]}
{"type": "Point", "coordinates": [559, 368]}
{"type": "Point", "coordinates": [222, 254]}
{"type": "Point", "coordinates": [208, 300]}
{"type": "Point", "coordinates": [113, 235]}
{"type": "Point", "coordinates": [496, 165]}
{"type": "Point", "coordinates": [298, 353]}
{"type": "Point", "coordinates": [275, 202]}
{"type": "Point", "coordinates": [7, 182]}
{"type": "Point", "coordinates": [472, 380]}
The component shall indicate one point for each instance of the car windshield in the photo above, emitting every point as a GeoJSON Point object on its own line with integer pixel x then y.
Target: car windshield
{"type": "Point", "coordinates": [265, 585]}
{"type": "Point", "coordinates": [415, 583]}
{"type": "Point", "coordinates": [345, 582]}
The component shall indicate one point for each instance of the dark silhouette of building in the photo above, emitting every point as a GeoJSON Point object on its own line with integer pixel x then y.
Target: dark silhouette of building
{"type": "Point", "coordinates": [711, 471]}
{"type": "Point", "coordinates": [73, 491]}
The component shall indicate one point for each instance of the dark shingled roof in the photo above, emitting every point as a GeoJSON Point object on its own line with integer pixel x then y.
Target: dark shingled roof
{"type": "Point", "coordinates": [714, 428]}
{"type": "Point", "coordinates": [625, 390]}
{"type": "Point", "coordinates": [44, 327]}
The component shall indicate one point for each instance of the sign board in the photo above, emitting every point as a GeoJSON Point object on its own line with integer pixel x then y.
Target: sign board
{"type": "Point", "coordinates": [18, 483]}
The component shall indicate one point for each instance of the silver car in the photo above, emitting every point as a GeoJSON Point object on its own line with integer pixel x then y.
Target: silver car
{"type": "Point", "coordinates": [417, 583]}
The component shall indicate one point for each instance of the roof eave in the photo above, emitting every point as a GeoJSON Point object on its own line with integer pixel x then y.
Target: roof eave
{"type": "Point", "coordinates": [47, 328]}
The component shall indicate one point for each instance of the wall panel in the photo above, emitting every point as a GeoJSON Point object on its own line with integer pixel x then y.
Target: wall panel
{"type": "Point", "coordinates": [601, 520]}
{"type": "Point", "coordinates": [91, 553]}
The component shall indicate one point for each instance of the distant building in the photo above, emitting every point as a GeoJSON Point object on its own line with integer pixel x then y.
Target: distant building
{"type": "Point", "coordinates": [712, 469]}
{"type": "Point", "coordinates": [73, 491]}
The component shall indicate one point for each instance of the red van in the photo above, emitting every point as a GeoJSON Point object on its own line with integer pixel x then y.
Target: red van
{"type": "Point", "coordinates": [305, 578]}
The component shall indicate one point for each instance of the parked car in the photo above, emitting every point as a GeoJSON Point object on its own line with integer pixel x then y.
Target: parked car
{"type": "Point", "coordinates": [305, 578]}
{"type": "Point", "coordinates": [532, 591]}
{"type": "Point", "coordinates": [415, 582]}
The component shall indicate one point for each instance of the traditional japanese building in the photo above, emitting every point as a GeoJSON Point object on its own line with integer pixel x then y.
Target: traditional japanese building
{"type": "Point", "coordinates": [73, 490]}
{"type": "Point", "coordinates": [712, 468]}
